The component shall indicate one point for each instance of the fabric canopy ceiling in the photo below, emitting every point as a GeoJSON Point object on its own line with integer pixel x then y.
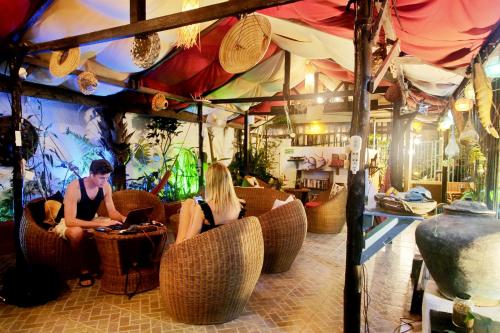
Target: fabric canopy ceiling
{"type": "Point", "coordinates": [441, 35]}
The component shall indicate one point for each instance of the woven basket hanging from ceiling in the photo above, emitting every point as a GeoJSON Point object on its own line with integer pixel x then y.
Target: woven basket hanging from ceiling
{"type": "Point", "coordinates": [188, 35]}
{"type": "Point", "coordinates": [87, 82]}
{"type": "Point", "coordinates": [145, 50]}
{"type": "Point", "coordinates": [245, 44]}
{"type": "Point", "coordinates": [159, 102]}
{"type": "Point", "coordinates": [64, 62]}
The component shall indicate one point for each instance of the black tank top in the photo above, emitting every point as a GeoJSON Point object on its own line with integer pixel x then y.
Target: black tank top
{"type": "Point", "coordinates": [86, 208]}
{"type": "Point", "coordinates": [207, 211]}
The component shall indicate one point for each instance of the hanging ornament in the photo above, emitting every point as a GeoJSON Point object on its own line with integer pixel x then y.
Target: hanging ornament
{"type": "Point", "coordinates": [87, 82]}
{"type": "Point", "coordinates": [463, 104]}
{"type": "Point", "coordinates": [63, 62]}
{"type": "Point", "coordinates": [187, 36]}
{"type": "Point", "coordinates": [452, 149]}
{"type": "Point", "coordinates": [469, 136]}
{"type": "Point", "coordinates": [159, 102]}
{"type": "Point", "coordinates": [145, 50]}
{"type": "Point", "coordinates": [469, 92]}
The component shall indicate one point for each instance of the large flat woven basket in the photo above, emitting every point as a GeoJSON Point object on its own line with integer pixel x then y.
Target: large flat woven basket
{"type": "Point", "coordinates": [396, 205]}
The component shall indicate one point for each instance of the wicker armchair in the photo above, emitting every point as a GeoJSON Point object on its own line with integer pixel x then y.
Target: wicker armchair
{"type": "Point", "coordinates": [209, 278]}
{"type": "Point", "coordinates": [128, 200]}
{"type": "Point", "coordinates": [259, 200]}
{"type": "Point", "coordinates": [329, 217]}
{"type": "Point", "coordinates": [45, 248]}
{"type": "Point", "coordinates": [284, 228]}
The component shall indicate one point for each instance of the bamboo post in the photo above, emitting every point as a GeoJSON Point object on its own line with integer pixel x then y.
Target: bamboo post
{"type": "Point", "coordinates": [356, 196]}
{"type": "Point", "coordinates": [200, 144]}
{"type": "Point", "coordinates": [17, 160]}
{"type": "Point", "coordinates": [246, 132]}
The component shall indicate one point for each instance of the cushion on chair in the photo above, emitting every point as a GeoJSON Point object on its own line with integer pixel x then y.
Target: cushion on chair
{"type": "Point", "coordinates": [277, 203]}
{"type": "Point", "coordinates": [312, 204]}
{"type": "Point", "coordinates": [37, 209]}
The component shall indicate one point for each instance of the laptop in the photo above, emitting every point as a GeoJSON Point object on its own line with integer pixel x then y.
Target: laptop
{"type": "Point", "coordinates": [135, 216]}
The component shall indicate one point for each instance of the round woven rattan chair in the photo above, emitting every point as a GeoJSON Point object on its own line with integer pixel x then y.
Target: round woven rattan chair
{"type": "Point", "coordinates": [259, 200]}
{"type": "Point", "coordinates": [128, 200]}
{"type": "Point", "coordinates": [46, 248]}
{"type": "Point", "coordinates": [329, 217]}
{"type": "Point", "coordinates": [209, 278]}
{"type": "Point", "coordinates": [283, 228]}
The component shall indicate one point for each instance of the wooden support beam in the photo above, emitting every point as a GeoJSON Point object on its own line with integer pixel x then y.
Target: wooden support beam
{"type": "Point", "coordinates": [200, 144]}
{"type": "Point", "coordinates": [167, 22]}
{"type": "Point", "coordinates": [137, 10]}
{"type": "Point", "coordinates": [246, 133]}
{"type": "Point", "coordinates": [360, 126]}
{"type": "Point", "coordinates": [374, 82]}
{"type": "Point", "coordinates": [301, 97]}
{"type": "Point", "coordinates": [329, 108]}
{"type": "Point", "coordinates": [383, 15]}
{"type": "Point", "coordinates": [54, 93]}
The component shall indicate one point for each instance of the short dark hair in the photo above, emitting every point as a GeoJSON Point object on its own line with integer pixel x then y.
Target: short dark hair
{"type": "Point", "coordinates": [100, 167]}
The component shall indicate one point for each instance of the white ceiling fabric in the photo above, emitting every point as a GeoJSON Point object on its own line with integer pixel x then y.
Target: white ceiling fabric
{"type": "Point", "coordinates": [312, 44]}
{"type": "Point", "coordinates": [431, 79]}
{"type": "Point", "coordinates": [265, 79]}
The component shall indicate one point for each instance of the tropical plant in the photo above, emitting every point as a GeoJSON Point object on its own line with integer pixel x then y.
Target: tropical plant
{"type": "Point", "coordinates": [183, 182]}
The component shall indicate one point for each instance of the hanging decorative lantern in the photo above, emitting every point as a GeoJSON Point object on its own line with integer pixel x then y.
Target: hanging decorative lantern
{"type": "Point", "coordinates": [87, 82]}
{"type": "Point", "coordinates": [452, 149]}
{"type": "Point", "coordinates": [187, 36]}
{"type": "Point", "coordinates": [159, 102]}
{"type": "Point", "coordinates": [416, 126]}
{"type": "Point", "coordinates": [469, 92]}
{"type": "Point", "coordinates": [145, 50]}
{"type": "Point", "coordinates": [463, 104]}
{"type": "Point", "coordinates": [63, 62]}
{"type": "Point", "coordinates": [469, 136]}
{"type": "Point", "coordinates": [310, 70]}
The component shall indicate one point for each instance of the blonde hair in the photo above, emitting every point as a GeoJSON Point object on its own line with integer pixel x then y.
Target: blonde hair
{"type": "Point", "coordinates": [219, 188]}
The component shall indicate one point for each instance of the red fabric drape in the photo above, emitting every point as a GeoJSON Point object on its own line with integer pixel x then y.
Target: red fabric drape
{"type": "Point", "coordinates": [14, 14]}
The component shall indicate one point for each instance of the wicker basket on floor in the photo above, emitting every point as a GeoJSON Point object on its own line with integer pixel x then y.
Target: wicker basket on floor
{"type": "Point", "coordinates": [208, 279]}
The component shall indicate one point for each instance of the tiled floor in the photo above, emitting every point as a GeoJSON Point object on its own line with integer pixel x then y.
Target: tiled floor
{"type": "Point", "coordinates": [307, 298]}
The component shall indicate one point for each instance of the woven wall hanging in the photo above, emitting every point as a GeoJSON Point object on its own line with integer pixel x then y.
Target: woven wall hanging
{"type": "Point", "coordinates": [245, 44]}
{"type": "Point", "coordinates": [64, 62]}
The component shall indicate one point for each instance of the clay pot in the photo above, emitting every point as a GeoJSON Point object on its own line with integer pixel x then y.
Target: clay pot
{"type": "Point", "coordinates": [462, 253]}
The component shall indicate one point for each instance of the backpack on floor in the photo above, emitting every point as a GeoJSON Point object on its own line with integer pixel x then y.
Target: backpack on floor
{"type": "Point", "coordinates": [31, 285]}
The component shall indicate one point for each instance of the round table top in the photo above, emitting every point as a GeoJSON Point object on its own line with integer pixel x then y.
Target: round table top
{"type": "Point", "coordinates": [114, 234]}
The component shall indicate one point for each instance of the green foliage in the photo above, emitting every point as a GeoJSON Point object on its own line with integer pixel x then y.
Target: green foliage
{"type": "Point", "coordinates": [6, 207]}
{"type": "Point", "coordinates": [183, 182]}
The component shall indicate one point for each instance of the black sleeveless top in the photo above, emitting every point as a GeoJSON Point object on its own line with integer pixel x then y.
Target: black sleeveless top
{"type": "Point", "coordinates": [86, 208]}
{"type": "Point", "coordinates": [207, 211]}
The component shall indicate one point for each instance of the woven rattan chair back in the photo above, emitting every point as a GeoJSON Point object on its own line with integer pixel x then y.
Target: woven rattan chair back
{"type": "Point", "coordinates": [209, 278]}
{"type": "Point", "coordinates": [259, 200]}
{"type": "Point", "coordinates": [284, 230]}
{"type": "Point", "coordinates": [128, 200]}
{"type": "Point", "coordinates": [329, 217]}
{"type": "Point", "coordinates": [45, 248]}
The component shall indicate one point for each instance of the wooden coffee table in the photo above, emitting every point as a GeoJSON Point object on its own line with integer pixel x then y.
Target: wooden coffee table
{"type": "Point", "coordinates": [130, 263]}
{"type": "Point", "coordinates": [300, 193]}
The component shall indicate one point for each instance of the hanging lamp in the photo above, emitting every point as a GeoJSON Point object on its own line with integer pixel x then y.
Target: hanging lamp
{"type": "Point", "coordinates": [309, 70]}
{"type": "Point", "coordinates": [452, 149]}
{"type": "Point", "coordinates": [187, 36]}
{"type": "Point", "coordinates": [463, 104]}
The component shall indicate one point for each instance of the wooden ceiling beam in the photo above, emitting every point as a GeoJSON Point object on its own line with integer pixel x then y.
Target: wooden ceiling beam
{"type": "Point", "coordinates": [167, 22]}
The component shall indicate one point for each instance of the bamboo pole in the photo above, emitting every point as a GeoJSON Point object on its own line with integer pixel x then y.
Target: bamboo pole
{"type": "Point", "coordinates": [356, 182]}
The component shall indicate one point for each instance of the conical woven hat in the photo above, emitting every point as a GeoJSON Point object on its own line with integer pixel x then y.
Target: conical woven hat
{"type": "Point", "coordinates": [159, 102]}
{"type": "Point", "coordinates": [245, 44]}
{"type": "Point", "coordinates": [64, 62]}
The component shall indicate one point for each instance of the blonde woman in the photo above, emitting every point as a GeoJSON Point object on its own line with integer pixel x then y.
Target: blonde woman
{"type": "Point", "coordinates": [221, 205]}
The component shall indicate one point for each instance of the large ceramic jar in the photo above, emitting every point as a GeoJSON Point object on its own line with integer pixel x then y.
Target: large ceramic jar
{"type": "Point", "coordinates": [461, 249]}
